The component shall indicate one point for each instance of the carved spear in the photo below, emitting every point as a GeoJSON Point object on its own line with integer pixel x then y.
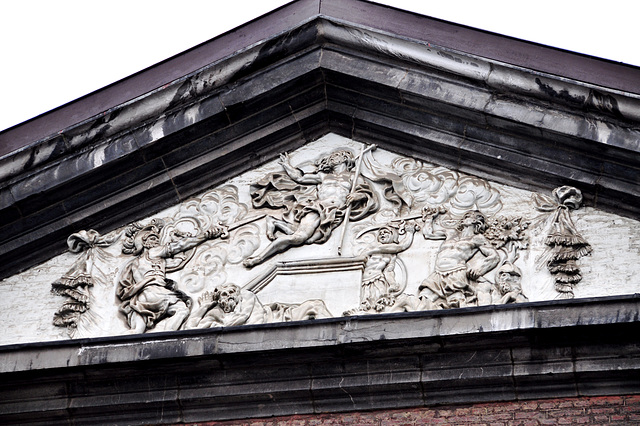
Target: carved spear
{"type": "Point", "coordinates": [236, 225]}
{"type": "Point", "coordinates": [400, 219]}
{"type": "Point", "coordinates": [347, 213]}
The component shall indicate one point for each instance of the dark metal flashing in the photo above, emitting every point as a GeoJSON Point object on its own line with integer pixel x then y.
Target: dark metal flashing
{"type": "Point", "coordinates": [99, 102]}
{"type": "Point", "coordinates": [486, 44]}
{"type": "Point", "coordinates": [382, 18]}
{"type": "Point", "coordinates": [516, 352]}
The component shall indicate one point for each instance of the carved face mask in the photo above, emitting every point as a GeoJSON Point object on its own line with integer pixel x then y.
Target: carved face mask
{"type": "Point", "coordinates": [507, 281]}
{"type": "Point", "coordinates": [151, 240]}
{"type": "Point", "coordinates": [228, 299]}
{"type": "Point", "coordinates": [475, 219]}
{"type": "Point", "coordinates": [340, 157]}
{"type": "Point", "coordinates": [387, 236]}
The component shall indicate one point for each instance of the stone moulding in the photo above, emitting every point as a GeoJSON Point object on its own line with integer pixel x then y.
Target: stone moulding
{"type": "Point", "coordinates": [300, 267]}
{"type": "Point", "coordinates": [325, 75]}
{"type": "Point", "coordinates": [517, 352]}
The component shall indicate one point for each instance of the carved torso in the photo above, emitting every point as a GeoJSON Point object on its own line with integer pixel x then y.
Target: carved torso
{"type": "Point", "coordinates": [333, 190]}
{"type": "Point", "coordinates": [149, 265]}
{"type": "Point", "coordinates": [456, 251]}
{"type": "Point", "coordinates": [376, 264]}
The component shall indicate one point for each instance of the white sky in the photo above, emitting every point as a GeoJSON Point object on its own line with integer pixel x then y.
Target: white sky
{"type": "Point", "coordinates": [54, 51]}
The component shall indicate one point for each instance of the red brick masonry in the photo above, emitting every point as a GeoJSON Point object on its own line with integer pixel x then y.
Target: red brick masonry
{"type": "Point", "coordinates": [561, 411]}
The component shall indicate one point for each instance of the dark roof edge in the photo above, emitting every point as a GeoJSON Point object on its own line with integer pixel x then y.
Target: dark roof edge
{"type": "Point", "coordinates": [489, 45]}
{"type": "Point", "coordinates": [404, 24]}
{"type": "Point", "coordinates": [253, 32]}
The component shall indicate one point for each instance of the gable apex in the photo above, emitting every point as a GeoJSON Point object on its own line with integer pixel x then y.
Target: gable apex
{"type": "Point", "coordinates": [263, 89]}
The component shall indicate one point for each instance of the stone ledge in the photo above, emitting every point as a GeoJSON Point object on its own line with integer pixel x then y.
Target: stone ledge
{"type": "Point", "coordinates": [510, 353]}
{"type": "Point", "coordinates": [389, 328]}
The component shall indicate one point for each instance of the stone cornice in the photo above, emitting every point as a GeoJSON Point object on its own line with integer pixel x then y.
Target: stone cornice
{"type": "Point", "coordinates": [388, 328]}
{"type": "Point", "coordinates": [326, 73]}
{"type": "Point", "coordinates": [514, 352]}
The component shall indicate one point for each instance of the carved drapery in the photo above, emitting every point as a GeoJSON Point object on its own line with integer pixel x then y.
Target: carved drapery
{"type": "Point", "coordinates": [420, 237]}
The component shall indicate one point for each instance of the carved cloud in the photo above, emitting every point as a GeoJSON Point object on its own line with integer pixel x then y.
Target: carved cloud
{"type": "Point", "coordinates": [219, 206]}
{"type": "Point", "coordinates": [429, 185]}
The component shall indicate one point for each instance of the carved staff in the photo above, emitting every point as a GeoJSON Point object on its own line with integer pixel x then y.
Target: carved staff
{"type": "Point", "coordinates": [353, 189]}
{"type": "Point", "coordinates": [391, 222]}
{"type": "Point", "coordinates": [236, 225]}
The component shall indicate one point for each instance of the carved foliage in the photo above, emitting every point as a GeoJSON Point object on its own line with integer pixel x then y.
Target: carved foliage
{"type": "Point", "coordinates": [564, 244]}
{"type": "Point", "coordinates": [86, 272]}
{"type": "Point", "coordinates": [508, 234]}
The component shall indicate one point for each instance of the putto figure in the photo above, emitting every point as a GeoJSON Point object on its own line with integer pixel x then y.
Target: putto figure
{"type": "Point", "coordinates": [149, 299]}
{"type": "Point", "coordinates": [379, 288]}
{"type": "Point", "coordinates": [450, 285]}
{"type": "Point", "coordinates": [229, 305]}
{"type": "Point", "coordinates": [508, 288]}
{"type": "Point", "coordinates": [315, 203]}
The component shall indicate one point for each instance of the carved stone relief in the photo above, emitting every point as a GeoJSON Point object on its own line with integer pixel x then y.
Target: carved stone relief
{"type": "Point", "coordinates": [565, 246]}
{"type": "Point", "coordinates": [321, 232]}
{"type": "Point", "coordinates": [314, 203]}
{"type": "Point", "coordinates": [334, 228]}
{"type": "Point", "coordinates": [380, 289]}
{"type": "Point", "coordinates": [87, 284]}
{"type": "Point", "coordinates": [230, 305]}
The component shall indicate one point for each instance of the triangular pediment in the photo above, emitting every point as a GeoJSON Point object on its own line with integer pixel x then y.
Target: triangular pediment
{"type": "Point", "coordinates": [216, 237]}
{"type": "Point", "coordinates": [165, 240]}
{"type": "Point", "coordinates": [480, 113]}
{"type": "Point", "coordinates": [273, 245]}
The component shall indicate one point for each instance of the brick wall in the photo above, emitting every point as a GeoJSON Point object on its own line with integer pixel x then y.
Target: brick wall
{"type": "Point", "coordinates": [561, 411]}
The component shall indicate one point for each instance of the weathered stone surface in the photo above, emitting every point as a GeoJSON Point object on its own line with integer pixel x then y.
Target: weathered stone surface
{"type": "Point", "coordinates": [324, 366]}
{"type": "Point", "coordinates": [315, 272]}
{"type": "Point", "coordinates": [315, 77]}
{"type": "Point", "coordinates": [350, 330]}
{"type": "Point", "coordinates": [430, 94]}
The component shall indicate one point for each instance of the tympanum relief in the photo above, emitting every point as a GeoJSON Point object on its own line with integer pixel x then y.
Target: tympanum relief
{"type": "Point", "coordinates": [334, 228]}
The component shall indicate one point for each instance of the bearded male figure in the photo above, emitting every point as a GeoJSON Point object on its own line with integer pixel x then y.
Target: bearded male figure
{"type": "Point", "coordinates": [229, 305]}
{"type": "Point", "coordinates": [450, 285]}
{"type": "Point", "coordinates": [149, 299]}
{"type": "Point", "coordinates": [315, 203]}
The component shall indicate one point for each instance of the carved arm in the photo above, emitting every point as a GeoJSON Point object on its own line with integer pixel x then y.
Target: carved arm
{"type": "Point", "coordinates": [432, 230]}
{"type": "Point", "coordinates": [296, 174]}
{"type": "Point", "coordinates": [197, 318]}
{"type": "Point", "coordinates": [490, 261]}
{"type": "Point", "coordinates": [186, 243]}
